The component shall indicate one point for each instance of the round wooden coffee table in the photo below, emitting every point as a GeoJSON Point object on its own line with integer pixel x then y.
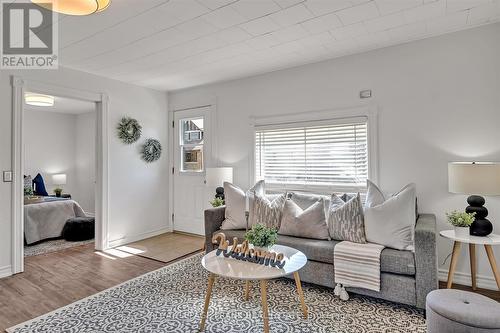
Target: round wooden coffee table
{"type": "Point", "coordinates": [247, 271]}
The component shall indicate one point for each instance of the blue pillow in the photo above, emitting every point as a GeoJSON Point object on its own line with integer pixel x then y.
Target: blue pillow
{"type": "Point", "coordinates": [40, 186]}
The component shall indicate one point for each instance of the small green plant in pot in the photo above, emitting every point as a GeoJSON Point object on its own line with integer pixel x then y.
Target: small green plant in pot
{"type": "Point", "coordinates": [58, 191]}
{"type": "Point", "coordinates": [461, 221]}
{"type": "Point", "coordinates": [261, 237]}
{"type": "Point", "coordinates": [217, 202]}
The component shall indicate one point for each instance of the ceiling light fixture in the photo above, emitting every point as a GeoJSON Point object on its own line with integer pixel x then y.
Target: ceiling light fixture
{"type": "Point", "coordinates": [75, 7]}
{"type": "Point", "coordinates": [39, 99]}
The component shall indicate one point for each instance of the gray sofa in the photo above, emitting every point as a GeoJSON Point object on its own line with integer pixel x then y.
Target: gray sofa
{"type": "Point", "coordinates": [406, 277]}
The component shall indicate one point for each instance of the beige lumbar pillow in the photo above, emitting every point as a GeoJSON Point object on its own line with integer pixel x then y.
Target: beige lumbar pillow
{"type": "Point", "coordinates": [345, 219]}
{"type": "Point", "coordinates": [307, 223]}
{"type": "Point", "coordinates": [391, 222]}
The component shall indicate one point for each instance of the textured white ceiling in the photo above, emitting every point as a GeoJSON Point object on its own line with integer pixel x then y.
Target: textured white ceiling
{"type": "Point", "coordinates": [175, 44]}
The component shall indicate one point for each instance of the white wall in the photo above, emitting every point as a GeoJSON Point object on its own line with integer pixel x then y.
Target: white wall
{"type": "Point", "coordinates": [85, 163]}
{"type": "Point", "coordinates": [438, 101]}
{"type": "Point", "coordinates": [137, 191]}
{"type": "Point", "coordinates": [49, 146]}
{"type": "Point", "coordinates": [62, 143]}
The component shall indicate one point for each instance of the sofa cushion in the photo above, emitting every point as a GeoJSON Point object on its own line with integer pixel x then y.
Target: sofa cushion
{"type": "Point", "coordinates": [391, 261]}
{"type": "Point", "coordinates": [307, 223]}
{"type": "Point", "coordinates": [268, 212]}
{"type": "Point", "coordinates": [392, 222]}
{"type": "Point", "coordinates": [345, 219]}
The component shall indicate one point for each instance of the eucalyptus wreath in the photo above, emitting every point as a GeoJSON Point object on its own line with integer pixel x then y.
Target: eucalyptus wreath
{"type": "Point", "coordinates": [151, 150]}
{"type": "Point", "coordinates": [129, 130]}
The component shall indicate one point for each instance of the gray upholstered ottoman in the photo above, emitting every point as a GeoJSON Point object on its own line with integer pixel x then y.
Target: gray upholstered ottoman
{"type": "Point", "coordinates": [451, 310]}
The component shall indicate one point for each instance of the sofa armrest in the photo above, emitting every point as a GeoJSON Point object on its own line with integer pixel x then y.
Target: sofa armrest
{"type": "Point", "coordinates": [213, 221]}
{"type": "Point", "coordinates": [426, 271]}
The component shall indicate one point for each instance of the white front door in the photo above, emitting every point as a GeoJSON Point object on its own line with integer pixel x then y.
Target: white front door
{"type": "Point", "coordinates": [192, 152]}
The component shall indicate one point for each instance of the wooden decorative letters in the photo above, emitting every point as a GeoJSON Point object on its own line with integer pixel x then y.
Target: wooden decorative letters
{"type": "Point", "coordinates": [244, 252]}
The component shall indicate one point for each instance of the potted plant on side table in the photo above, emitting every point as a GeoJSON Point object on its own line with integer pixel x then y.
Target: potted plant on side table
{"type": "Point", "coordinates": [261, 237]}
{"type": "Point", "coordinates": [461, 221]}
{"type": "Point", "coordinates": [58, 191]}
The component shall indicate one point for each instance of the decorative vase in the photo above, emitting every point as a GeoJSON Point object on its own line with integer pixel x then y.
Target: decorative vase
{"type": "Point", "coordinates": [261, 248]}
{"type": "Point", "coordinates": [462, 232]}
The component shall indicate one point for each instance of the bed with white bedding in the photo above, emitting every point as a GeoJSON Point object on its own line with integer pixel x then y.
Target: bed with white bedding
{"type": "Point", "coordinates": [46, 219]}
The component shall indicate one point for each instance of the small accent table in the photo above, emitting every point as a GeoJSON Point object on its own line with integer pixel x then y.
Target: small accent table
{"type": "Point", "coordinates": [487, 241]}
{"type": "Point", "coordinates": [243, 270]}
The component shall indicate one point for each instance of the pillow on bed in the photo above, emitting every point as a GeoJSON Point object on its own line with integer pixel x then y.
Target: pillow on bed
{"type": "Point", "coordinates": [28, 182]}
{"type": "Point", "coordinates": [40, 186]}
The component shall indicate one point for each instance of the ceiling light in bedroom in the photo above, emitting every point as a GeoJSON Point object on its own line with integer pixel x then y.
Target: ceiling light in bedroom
{"type": "Point", "coordinates": [75, 7]}
{"type": "Point", "coordinates": [39, 99]}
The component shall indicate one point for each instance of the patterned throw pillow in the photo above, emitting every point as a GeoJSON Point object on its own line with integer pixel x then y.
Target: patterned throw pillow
{"type": "Point", "coordinates": [269, 212]}
{"type": "Point", "coordinates": [345, 219]}
{"type": "Point", "coordinates": [28, 182]}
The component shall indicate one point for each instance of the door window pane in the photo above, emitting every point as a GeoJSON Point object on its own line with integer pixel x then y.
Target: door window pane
{"type": "Point", "coordinates": [192, 158]}
{"type": "Point", "coordinates": [192, 131]}
{"type": "Point", "coordinates": [191, 142]}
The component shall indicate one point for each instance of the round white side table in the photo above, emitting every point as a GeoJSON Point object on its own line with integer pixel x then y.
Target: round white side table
{"type": "Point", "coordinates": [487, 241]}
{"type": "Point", "coordinates": [247, 271]}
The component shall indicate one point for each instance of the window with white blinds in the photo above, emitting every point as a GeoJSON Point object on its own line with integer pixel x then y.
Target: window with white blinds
{"type": "Point", "coordinates": [331, 156]}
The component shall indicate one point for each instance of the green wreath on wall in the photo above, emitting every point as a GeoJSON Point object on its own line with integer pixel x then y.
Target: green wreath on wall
{"type": "Point", "coordinates": [151, 150]}
{"type": "Point", "coordinates": [129, 130]}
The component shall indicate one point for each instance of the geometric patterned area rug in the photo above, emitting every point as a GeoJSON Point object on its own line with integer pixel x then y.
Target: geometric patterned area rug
{"type": "Point", "coordinates": [51, 246]}
{"type": "Point", "coordinates": [171, 300]}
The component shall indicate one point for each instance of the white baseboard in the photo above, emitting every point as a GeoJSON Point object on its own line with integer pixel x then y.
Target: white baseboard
{"type": "Point", "coordinates": [5, 271]}
{"type": "Point", "coordinates": [138, 237]}
{"type": "Point", "coordinates": [486, 282]}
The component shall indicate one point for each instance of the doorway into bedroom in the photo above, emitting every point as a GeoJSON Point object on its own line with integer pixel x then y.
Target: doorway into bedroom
{"type": "Point", "coordinates": [59, 139]}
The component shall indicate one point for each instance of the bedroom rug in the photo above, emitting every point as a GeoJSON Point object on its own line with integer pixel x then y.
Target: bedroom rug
{"type": "Point", "coordinates": [171, 300]}
{"type": "Point", "coordinates": [51, 246]}
{"type": "Point", "coordinates": [165, 247]}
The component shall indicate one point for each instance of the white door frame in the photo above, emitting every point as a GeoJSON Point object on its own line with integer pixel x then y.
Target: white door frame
{"type": "Point", "coordinates": [19, 87]}
{"type": "Point", "coordinates": [212, 160]}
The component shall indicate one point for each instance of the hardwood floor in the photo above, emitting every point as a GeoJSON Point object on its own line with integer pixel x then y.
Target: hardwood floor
{"type": "Point", "coordinates": [494, 294]}
{"type": "Point", "coordinates": [56, 279]}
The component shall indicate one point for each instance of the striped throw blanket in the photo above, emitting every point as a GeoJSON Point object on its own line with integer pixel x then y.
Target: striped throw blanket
{"type": "Point", "coordinates": [357, 265]}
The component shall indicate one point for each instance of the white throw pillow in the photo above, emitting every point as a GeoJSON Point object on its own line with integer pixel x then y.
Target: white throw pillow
{"type": "Point", "coordinates": [391, 222]}
{"type": "Point", "coordinates": [235, 199]}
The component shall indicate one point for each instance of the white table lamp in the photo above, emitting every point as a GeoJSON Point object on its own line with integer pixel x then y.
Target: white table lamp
{"type": "Point", "coordinates": [215, 177]}
{"type": "Point", "coordinates": [475, 179]}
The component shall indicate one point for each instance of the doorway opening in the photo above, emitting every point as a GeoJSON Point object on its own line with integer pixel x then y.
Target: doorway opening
{"type": "Point", "coordinates": [59, 175]}
{"type": "Point", "coordinates": [55, 173]}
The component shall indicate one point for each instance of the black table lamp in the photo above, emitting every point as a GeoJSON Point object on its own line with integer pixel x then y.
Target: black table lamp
{"type": "Point", "coordinates": [475, 179]}
{"type": "Point", "coordinates": [215, 177]}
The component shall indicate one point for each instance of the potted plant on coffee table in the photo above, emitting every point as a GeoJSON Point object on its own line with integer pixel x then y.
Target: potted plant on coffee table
{"type": "Point", "coordinates": [461, 221]}
{"type": "Point", "coordinates": [261, 237]}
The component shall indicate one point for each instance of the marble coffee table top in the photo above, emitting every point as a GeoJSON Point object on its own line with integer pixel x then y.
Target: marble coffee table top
{"type": "Point", "coordinates": [243, 270]}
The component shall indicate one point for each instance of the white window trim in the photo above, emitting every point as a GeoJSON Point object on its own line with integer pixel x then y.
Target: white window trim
{"type": "Point", "coordinates": [315, 117]}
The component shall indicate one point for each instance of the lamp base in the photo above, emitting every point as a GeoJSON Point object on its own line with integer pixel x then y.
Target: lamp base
{"type": "Point", "coordinates": [219, 193]}
{"type": "Point", "coordinates": [481, 225]}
